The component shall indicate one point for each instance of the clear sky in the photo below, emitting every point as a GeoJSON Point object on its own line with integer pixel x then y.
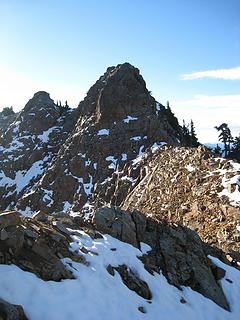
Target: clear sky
{"type": "Point", "coordinates": [188, 52]}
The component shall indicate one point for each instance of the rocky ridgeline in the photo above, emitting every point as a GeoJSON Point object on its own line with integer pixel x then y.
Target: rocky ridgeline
{"type": "Point", "coordinates": [188, 186]}
{"type": "Point", "coordinates": [117, 121]}
{"type": "Point", "coordinates": [29, 145]}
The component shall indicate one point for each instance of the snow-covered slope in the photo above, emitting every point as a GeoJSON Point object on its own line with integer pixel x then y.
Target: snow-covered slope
{"type": "Point", "coordinates": [96, 294]}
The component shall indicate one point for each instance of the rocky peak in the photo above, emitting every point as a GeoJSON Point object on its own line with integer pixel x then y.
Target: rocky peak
{"type": "Point", "coordinates": [29, 144]}
{"type": "Point", "coordinates": [118, 121]}
{"type": "Point", "coordinates": [120, 92]}
{"type": "Point", "coordinates": [40, 97]}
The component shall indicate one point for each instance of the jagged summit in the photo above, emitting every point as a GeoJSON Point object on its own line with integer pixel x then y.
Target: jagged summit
{"type": "Point", "coordinates": [121, 91]}
{"type": "Point", "coordinates": [39, 99]}
{"type": "Point", "coordinates": [117, 122]}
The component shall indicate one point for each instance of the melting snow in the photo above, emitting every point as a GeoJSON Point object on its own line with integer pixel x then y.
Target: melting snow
{"type": "Point", "coordinates": [66, 205]}
{"type": "Point", "coordinates": [234, 197]}
{"type": "Point", "coordinates": [113, 163]}
{"type": "Point", "coordinates": [157, 108]}
{"type": "Point", "coordinates": [47, 198]}
{"type": "Point", "coordinates": [45, 135]}
{"type": "Point", "coordinates": [137, 138]}
{"type": "Point", "coordinates": [22, 178]}
{"type": "Point", "coordinates": [124, 157]}
{"type": "Point", "coordinates": [157, 145]}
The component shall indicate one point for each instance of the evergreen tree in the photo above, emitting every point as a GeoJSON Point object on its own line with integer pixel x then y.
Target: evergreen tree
{"type": "Point", "coordinates": [193, 136]}
{"type": "Point", "coordinates": [217, 150]}
{"type": "Point", "coordinates": [186, 138]}
{"type": "Point", "coordinates": [173, 121]}
{"type": "Point", "coordinates": [235, 150]}
{"type": "Point", "coordinates": [7, 111]}
{"type": "Point", "coordinates": [66, 105]}
{"type": "Point", "coordinates": [225, 136]}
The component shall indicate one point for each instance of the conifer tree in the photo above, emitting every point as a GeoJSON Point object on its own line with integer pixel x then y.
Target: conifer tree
{"type": "Point", "coordinates": [193, 136]}
{"type": "Point", "coordinates": [225, 136]}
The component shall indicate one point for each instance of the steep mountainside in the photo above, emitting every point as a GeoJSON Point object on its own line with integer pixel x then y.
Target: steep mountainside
{"type": "Point", "coordinates": [117, 121]}
{"type": "Point", "coordinates": [107, 216]}
{"type": "Point", "coordinates": [6, 121]}
{"type": "Point", "coordinates": [28, 146]}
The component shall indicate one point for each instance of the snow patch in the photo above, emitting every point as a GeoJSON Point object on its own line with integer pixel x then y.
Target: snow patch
{"type": "Point", "coordinates": [103, 132]}
{"type": "Point", "coordinates": [129, 118]}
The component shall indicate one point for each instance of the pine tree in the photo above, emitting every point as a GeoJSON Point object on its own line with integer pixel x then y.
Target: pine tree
{"type": "Point", "coordinates": [173, 121]}
{"type": "Point", "coordinates": [226, 137]}
{"type": "Point", "coordinates": [193, 136]}
{"type": "Point", "coordinates": [186, 140]}
{"type": "Point", "coordinates": [217, 150]}
{"type": "Point", "coordinates": [235, 150]}
{"type": "Point", "coordinates": [7, 111]}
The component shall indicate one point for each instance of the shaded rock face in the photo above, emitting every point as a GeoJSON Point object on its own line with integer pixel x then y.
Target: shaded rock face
{"type": "Point", "coordinates": [6, 121]}
{"type": "Point", "coordinates": [28, 146]}
{"type": "Point", "coordinates": [37, 245]}
{"type": "Point", "coordinates": [11, 311]}
{"type": "Point", "coordinates": [118, 121]}
{"type": "Point", "coordinates": [176, 251]}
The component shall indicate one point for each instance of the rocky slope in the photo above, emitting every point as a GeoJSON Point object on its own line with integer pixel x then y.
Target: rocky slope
{"type": "Point", "coordinates": [106, 192]}
{"type": "Point", "coordinates": [6, 121]}
{"type": "Point", "coordinates": [29, 144]}
{"type": "Point", "coordinates": [188, 186]}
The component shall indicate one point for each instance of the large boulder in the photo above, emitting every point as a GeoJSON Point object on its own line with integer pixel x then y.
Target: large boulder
{"type": "Point", "coordinates": [11, 311]}
{"type": "Point", "coordinates": [176, 251]}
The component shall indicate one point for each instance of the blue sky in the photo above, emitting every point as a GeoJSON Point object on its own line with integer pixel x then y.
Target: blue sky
{"type": "Point", "coordinates": [64, 46]}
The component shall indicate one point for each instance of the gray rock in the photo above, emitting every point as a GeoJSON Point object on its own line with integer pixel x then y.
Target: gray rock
{"type": "Point", "coordinates": [176, 250]}
{"type": "Point", "coordinates": [11, 311]}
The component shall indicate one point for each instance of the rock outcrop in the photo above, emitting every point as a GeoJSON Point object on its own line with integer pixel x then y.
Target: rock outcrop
{"type": "Point", "coordinates": [36, 244]}
{"type": "Point", "coordinates": [118, 120]}
{"type": "Point", "coordinates": [188, 186]}
{"type": "Point", "coordinates": [176, 250]}
{"type": "Point", "coordinates": [40, 244]}
{"type": "Point", "coordinates": [10, 311]}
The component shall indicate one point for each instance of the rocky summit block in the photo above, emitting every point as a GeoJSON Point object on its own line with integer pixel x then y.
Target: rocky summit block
{"type": "Point", "coordinates": [176, 251]}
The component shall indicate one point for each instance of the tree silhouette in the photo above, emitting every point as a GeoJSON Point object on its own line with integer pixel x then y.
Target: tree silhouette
{"type": "Point", "coordinates": [225, 136]}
